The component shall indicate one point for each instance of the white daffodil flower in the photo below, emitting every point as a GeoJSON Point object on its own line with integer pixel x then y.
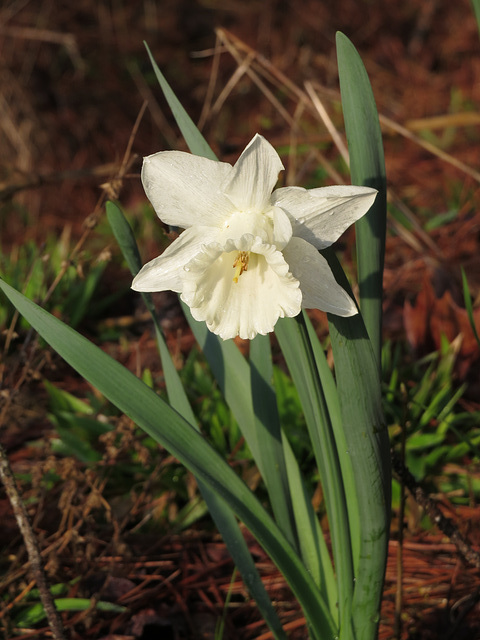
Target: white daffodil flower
{"type": "Point", "coordinates": [247, 256]}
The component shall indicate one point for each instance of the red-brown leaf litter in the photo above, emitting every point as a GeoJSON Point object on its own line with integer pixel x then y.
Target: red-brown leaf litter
{"type": "Point", "coordinates": [79, 107]}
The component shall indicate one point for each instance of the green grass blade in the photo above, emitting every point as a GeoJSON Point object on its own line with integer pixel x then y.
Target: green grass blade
{"type": "Point", "coordinates": [476, 10]}
{"type": "Point", "coordinates": [269, 435]}
{"type": "Point", "coordinates": [232, 374]}
{"type": "Point", "coordinates": [367, 168]}
{"type": "Point", "coordinates": [313, 547]}
{"type": "Point", "coordinates": [167, 427]}
{"type": "Point", "coordinates": [195, 140]}
{"type": "Point", "coordinates": [294, 341]}
{"type": "Point", "coordinates": [221, 513]}
{"type": "Point", "coordinates": [333, 405]}
{"type": "Point", "coordinates": [366, 436]}
{"type": "Point", "coordinates": [35, 613]}
{"type": "Point", "coordinates": [367, 440]}
{"type": "Point", "coordinates": [126, 241]}
{"type": "Point", "coordinates": [357, 342]}
{"type": "Point", "coordinates": [467, 297]}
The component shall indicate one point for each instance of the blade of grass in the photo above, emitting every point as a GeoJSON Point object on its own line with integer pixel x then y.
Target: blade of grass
{"type": "Point", "coordinates": [476, 10]}
{"type": "Point", "coordinates": [313, 548]}
{"type": "Point", "coordinates": [293, 338]}
{"type": "Point", "coordinates": [269, 436]}
{"type": "Point", "coordinates": [366, 436]}
{"type": "Point", "coordinates": [239, 400]}
{"type": "Point", "coordinates": [167, 427]}
{"type": "Point", "coordinates": [220, 511]}
{"type": "Point", "coordinates": [367, 168]}
{"type": "Point", "coordinates": [232, 374]}
{"type": "Point", "coordinates": [194, 139]}
{"type": "Point", "coordinates": [35, 613]}
{"type": "Point", "coordinates": [333, 405]}
{"type": "Point", "coordinates": [357, 343]}
{"type": "Point", "coordinates": [466, 291]}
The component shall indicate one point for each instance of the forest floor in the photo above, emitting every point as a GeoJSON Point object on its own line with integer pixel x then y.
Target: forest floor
{"type": "Point", "coordinates": [79, 108]}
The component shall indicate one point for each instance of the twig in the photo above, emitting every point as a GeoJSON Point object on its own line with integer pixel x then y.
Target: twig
{"type": "Point", "coordinates": [31, 544]}
{"type": "Point", "coordinates": [322, 112]}
{"type": "Point", "coordinates": [431, 148]}
{"type": "Point", "coordinates": [7, 190]}
{"type": "Point", "coordinates": [431, 508]}
{"type": "Point", "coordinates": [207, 103]}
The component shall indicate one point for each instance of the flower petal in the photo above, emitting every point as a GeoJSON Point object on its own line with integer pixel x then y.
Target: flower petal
{"type": "Point", "coordinates": [167, 271]}
{"type": "Point", "coordinates": [247, 222]}
{"type": "Point", "coordinates": [185, 189]}
{"type": "Point", "coordinates": [282, 228]}
{"type": "Point", "coordinates": [320, 216]}
{"type": "Point", "coordinates": [254, 175]}
{"type": "Point", "coordinates": [263, 293]}
{"type": "Point", "coordinates": [319, 288]}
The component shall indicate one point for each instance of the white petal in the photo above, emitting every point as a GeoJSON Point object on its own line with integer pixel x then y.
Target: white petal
{"type": "Point", "coordinates": [265, 292]}
{"type": "Point", "coordinates": [185, 189]}
{"type": "Point", "coordinates": [282, 228]}
{"type": "Point", "coordinates": [251, 222]}
{"type": "Point", "coordinates": [167, 271]}
{"type": "Point", "coordinates": [319, 288]}
{"type": "Point", "coordinates": [254, 175]}
{"type": "Point", "coordinates": [320, 216]}
{"type": "Point", "coordinates": [272, 226]}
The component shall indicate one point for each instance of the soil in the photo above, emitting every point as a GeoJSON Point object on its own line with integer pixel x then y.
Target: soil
{"type": "Point", "coordinates": [74, 80]}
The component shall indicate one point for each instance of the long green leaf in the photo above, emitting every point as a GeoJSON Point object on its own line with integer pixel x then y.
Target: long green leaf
{"type": "Point", "coordinates": [240, 401]}
{"type": "Point", "coordinates": [295, 344]}
{"type": "Point", "coordinates": [367, 167]}
{"type": "Point", "coordinates": [367, 440]}
{"type": "Point", "coordinates": [195, 140]}
{"type": "Point", "coordinates": [218, 508]}
{"type": "Point", "coordinates": [269, 435]}
{"type": "Point", "coordinates": [333, 405]}
{"type": "Point", "coordinates": [476, 10]}
{"type": "Point", "coordinates": [356, 344]}
{"type": "Point", "coordinates": [35, 613]}
{"type": "Point", "coordinates": [313, 548]}
{"type": "Point", "coordinates": [167, 427]}
{"type": "Point", "coordinates": [468, 301]}
{"type": "Point", "coordinates": [366, 436]}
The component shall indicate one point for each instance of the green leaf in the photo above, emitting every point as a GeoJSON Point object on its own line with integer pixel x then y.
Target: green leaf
{"type": "Point", "coordinates": [36, 613]}
{"type": "Point", "coordinates": [357, 345]}
{"type": "Point", "coordinates": [218, 508]}
{"type": "Point", "coordinates": [333, 406]}
{"type": "Point", "coordinates": [466, 291]}
{"type": "Point", "coordinates": [269, 435]}
{"type": "Point", "coordinates": [196, 142]}
{"type": "Point", "coordinates": [367, 168]}
{"type": "Point", "coordinates": [313, 548]}
{"type": "Point", "coordinates": [366, 436]}
{"type": "Point", "coordinates": [76, 434]}
{"type": "Point", "coordinates": [61, 400]}
{"type": "Point", "coordinates": [476, 9]}
{"type": "Point", "coordinates": [294, 341]}
{"type": "Point", "coordinates": [166, 426]}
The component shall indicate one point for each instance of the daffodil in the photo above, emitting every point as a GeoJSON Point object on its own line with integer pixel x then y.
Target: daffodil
{"type": "Point", "coordinates": [248, 255]}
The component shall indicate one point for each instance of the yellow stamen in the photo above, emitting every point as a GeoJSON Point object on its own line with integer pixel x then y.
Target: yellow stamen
{"type": "Point", "coordinates": [240, 264]}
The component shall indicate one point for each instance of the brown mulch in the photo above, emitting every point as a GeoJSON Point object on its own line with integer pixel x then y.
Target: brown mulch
{"type": "Point", "coordinates": [74, 77]}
